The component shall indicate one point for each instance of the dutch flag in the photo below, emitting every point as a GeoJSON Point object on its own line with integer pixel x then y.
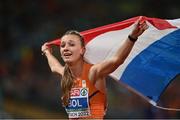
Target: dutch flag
{"type": "Point", "coordinates": [153, 62]}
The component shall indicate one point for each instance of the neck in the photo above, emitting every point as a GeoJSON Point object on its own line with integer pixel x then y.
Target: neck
{"type": "Point", "coordinates": [77, 68]}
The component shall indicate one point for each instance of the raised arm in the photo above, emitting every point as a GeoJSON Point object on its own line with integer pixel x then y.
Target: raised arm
{"type": "Point", "coordinates": [54, 64]}
{"type": "Point", "coordinates": [106, 67]}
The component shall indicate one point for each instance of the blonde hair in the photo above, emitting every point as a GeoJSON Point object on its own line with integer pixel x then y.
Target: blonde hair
{"type": "Point", "coordinates": [67, 79]}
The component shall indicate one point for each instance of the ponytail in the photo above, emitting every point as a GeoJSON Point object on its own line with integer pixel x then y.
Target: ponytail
{"type": "Point", "coordinates": [66, 85]}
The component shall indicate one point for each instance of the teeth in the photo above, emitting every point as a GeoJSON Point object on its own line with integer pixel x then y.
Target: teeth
{"type": "Point", "coordinates": [67, 54]}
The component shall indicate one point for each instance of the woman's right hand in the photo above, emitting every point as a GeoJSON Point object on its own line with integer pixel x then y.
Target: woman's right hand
{"type": "Point", "coordinates": [54, 64]}
{"type": "Point", "coordinates": [45, 49]}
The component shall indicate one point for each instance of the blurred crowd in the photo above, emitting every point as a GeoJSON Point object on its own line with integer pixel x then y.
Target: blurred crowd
{"type": "Point", "coordinates": [25, 78]}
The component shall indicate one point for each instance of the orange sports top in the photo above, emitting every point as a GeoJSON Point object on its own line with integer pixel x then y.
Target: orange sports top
{"type": "Point", "coordinates": [96, 99]}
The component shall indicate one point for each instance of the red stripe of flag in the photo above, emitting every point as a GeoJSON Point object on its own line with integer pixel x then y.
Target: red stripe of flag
{"type": "Point", "coordinates": [92, 33]}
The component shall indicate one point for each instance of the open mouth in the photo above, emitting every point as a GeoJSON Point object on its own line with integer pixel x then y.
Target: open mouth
{"type": "Point", "coordinates": [67, 54]}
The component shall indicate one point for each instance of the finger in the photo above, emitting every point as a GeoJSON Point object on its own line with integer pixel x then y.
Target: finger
{"type": "Point", "coordinates": [145, 27]}
{"type": "Point", "coordinates": [139, 19]}
{"type": "Point", "coordinates": [141, 24]}
{"type": "Point", "coordinates": [45, 46]}
{"type": "Point", "coordinates": [137, 22]}
{"type": "Point", "coordinates": [43, 51]}
{"type": "Point", "coordinates": [46, 43]}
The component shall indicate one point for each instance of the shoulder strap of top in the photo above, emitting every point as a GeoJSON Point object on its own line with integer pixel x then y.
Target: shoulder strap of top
{"type": "Point", "coordinates": [86, 68]}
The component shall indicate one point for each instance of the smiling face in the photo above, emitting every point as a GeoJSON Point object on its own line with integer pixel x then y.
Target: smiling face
{"type": "Point", "coordinates": [71, 48]}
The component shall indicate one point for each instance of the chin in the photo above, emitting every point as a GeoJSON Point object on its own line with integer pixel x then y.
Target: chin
{"type": "Point", "coordinates": [68, 61]}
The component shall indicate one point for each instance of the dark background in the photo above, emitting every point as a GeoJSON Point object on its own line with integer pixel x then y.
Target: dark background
{"type": "Point", "coordinates": [28, 89]}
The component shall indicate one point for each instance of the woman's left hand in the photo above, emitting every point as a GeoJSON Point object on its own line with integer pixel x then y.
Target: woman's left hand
{"type": "Point", "coordinates": [139, 28]}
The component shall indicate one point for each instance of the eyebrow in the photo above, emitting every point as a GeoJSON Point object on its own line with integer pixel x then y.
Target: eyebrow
{"type": "Point", "coordinates": [68, 42]}
{"type": "Point", "coordinates": [71, 40]}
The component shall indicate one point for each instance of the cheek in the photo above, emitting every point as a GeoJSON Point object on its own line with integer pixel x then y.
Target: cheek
{"type": "Point", "coordinates": [77, 52]}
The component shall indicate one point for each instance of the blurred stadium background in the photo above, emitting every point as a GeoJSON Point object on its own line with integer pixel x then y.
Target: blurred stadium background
{"type": "Point", "coordinates": [27, 87]}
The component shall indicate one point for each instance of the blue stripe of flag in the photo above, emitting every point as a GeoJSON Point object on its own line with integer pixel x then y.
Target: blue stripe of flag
{"type": "Point", "coordinates": [152, 70]}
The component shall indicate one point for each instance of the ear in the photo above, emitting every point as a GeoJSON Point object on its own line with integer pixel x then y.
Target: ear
{"type": "Point", "coordinates": [83, 50]}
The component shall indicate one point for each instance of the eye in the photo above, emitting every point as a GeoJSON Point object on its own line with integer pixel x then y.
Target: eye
{"type": "Point", "coordinates": [71, 44]}
{"type": "Point", "coordinates": [62, 45]}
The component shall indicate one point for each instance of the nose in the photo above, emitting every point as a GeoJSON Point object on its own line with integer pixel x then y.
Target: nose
{"type": "Point", "coordinates": [66, 48]}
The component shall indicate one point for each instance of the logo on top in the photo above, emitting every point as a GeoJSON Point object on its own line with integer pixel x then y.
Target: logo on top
{"type": "Point", "coordinates": [84, 92]}
{"type": "Point", "coordinates": [75, 92]}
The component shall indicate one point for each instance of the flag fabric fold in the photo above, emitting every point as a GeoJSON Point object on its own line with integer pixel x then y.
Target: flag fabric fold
{"type": "Point", "coordinates": [154, 60]}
